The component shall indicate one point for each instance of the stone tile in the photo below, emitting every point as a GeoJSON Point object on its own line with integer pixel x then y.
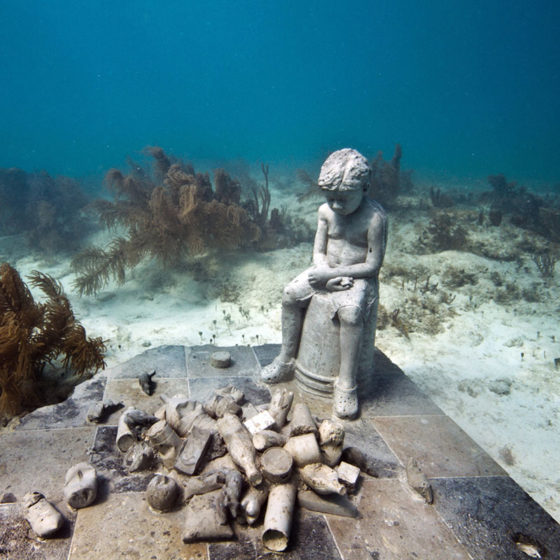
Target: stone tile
{"type": "Point", "coordinates": [123, 527]}
{"type": "Point", "coordinates": [394, 526]}
{"type": "Point", "coordinates": [18, 542]}
{"type": "Point", "coordinates": [487, 513]}
{"type": "Point", "coordinates": [439, 445]}
{"type": "Point", "coordinates": [384, 392]}
{"type": "Point", "coordinates": [320, 407]}
{"type": "Point", "coordinates": [490, 514]}
{"type": "Point", "coordinates": [311, 539]}
{"type": "Point", "coordinates": [244, 362]}
{"type": "Point", "coordinates": [389, 392]}
{"type": "Point", "coordinates": [362, 434]}
{"type": "Point", "coordinates": [70, 413]}
{"type": "Point", "coordinates": [167, 361]}
{"type": "Point", "coordinates": [203, 388]}
{"type": "Point", "coordinates": [394, 395]}
{"type": "Point", "coordinates": [38, 459]}
{"type": "Point", "coordinates": [266, 353]}
{"type": "Point", "coordinates": [242, 547]}
{"type": "Point", "coordinates": [129, 392]}
{"type": "Point", "coordinates": [108, 461]}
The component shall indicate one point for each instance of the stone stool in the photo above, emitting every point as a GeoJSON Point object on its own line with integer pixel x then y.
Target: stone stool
{"type": "Point", "coordinates": [318, 359]}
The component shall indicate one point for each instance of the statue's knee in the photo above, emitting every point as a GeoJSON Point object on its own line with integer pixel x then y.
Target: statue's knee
{"type": "Point", "coordinates": [289, 297]}
{"type": "Point", "coordinates": [351, 315]}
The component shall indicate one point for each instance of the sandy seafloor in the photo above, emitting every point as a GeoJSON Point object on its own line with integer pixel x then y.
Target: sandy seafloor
{"type": "Point", "coordinates": [490, 367]}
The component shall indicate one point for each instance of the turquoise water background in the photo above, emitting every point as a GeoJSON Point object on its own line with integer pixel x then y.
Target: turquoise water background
{"type": "Point", "coordinates": [469, 88]}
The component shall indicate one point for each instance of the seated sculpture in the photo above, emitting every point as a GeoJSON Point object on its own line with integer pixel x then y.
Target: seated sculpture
{"type": "Point", "coordinates": [347, 254]}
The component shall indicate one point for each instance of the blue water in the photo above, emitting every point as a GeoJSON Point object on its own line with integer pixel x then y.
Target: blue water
{"type": "Point", "coordinates": [468, 88]}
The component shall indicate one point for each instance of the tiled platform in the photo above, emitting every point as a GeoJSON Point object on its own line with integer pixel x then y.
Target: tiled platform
{"type": "Point", "coordinates": [478, 511]}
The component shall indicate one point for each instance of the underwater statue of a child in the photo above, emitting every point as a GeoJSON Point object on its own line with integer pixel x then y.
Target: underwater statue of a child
{"type": "Point", "coordinates": [347, 254]}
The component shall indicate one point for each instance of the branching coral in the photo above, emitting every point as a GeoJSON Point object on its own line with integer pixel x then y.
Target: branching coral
{"type": "Point", "coordinates": [14, 190]}
{"type": "Point", "coordinates": [503, 189]}
{"type": "Point", "coordinates": [422, 307]}
{"type": "Point", "coordinates": [33, 335]}
{"type": "Point", "coordinates": [458, 277]}
{"type": "Point", "coordinates": [545, 263]}
{"type": "Point", "coordinates": [440, 199]}
{"type": "Point", "coordinates": [311, 188]}
{"type": "Point", "coordinates": [227, 190]}
{"type": "Point", "coordinates": [387, 179]}
{"type": "Point", "coordinates": [550, 222]}
{"type": "Point", "coordinates": [526, 210]}
{"type": "Point", "coordinates": [50, 211]}
{"type": "Point", "coordinates": [261, 200]}
{"type": "Point", "coordinates": [444, 233]}
{"type": "Point", "coordinates": [181, 216]}
{"type": "Point", "coordinates": [517, 201]}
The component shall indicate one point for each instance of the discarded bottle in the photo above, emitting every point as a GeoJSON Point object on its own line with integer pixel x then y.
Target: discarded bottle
{"type": "Point", "coordinates": [240, 446]}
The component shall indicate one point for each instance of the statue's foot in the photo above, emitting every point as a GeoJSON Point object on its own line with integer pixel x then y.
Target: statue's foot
{"type": "Point", "coordinates": [345, 402]}
{"type": "Point", "coordinates": [277, 371]}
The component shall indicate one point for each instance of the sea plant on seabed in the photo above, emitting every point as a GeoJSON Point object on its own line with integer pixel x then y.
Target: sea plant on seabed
{"type": "Point", "coordinates": [168, 215]}
{"type": "Point", "coordinates": [48, 211]}
{"type": "Point", "coordinates": [545, 263]}
{"type": "Point", "coordinates": [36, 335]}
{"type": "Point", "coordinates": [526, 210]}
{"type": "Point", "coordinates": [387, 178]}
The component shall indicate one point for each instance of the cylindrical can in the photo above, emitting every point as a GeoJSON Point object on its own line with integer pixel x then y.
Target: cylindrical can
{"type": "Point", "coordinates": [278, 517]}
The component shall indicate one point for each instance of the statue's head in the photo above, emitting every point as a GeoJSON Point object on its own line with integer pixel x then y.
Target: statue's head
{"type": "Point", "coordinates": [345, 170]}
{"type": "Point", "coordinates": [345, 178]}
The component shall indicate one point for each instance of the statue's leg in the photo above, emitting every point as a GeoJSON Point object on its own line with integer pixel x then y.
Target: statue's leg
{"type": "Point", "coordinates": [346, 390]}
{"type": "Point", "coordinates": [294, 303]}
{"type": "Point", "coordinates": [292, 321]}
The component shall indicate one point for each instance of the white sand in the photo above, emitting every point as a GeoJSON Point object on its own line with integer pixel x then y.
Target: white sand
{"type": "Point", "coordinates": [491, 369]}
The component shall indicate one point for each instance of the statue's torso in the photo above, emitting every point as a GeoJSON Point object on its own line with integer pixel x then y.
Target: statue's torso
{"type": "Point", "coordinates": [347, 236]}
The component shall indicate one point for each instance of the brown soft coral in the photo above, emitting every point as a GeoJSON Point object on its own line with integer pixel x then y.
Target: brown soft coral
{"type": "Point", "coordinates": [33, 335]}
{"type": "Point", "coordinates": [181, 216]}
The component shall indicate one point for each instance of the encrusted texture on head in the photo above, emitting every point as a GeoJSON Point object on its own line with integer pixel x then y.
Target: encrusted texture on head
{"type": "Point", "coordinates": [345, 170]}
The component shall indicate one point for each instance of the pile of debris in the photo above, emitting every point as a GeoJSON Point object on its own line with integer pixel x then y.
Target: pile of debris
{"type": "Point", "coordinates": [226, 460]}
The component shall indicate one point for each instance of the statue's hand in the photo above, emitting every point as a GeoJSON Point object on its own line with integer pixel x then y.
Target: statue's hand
{"type": "Point", "coordinates": [319, 276]}
{"type": "Point", "coordinates": [340, 283]}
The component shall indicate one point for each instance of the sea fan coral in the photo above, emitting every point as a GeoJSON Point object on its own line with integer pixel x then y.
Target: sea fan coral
{"type": "Point", "coordinates": [33, 335]}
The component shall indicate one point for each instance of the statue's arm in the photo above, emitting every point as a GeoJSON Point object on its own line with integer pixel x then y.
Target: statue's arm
{"type": "Point", "coordinates": [377, 234]}
{"type": "Point", "coordinates": [321, 239]}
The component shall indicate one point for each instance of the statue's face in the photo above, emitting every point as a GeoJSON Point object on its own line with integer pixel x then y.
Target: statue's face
{"type": "Point", "coordinates": [344, 202]}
